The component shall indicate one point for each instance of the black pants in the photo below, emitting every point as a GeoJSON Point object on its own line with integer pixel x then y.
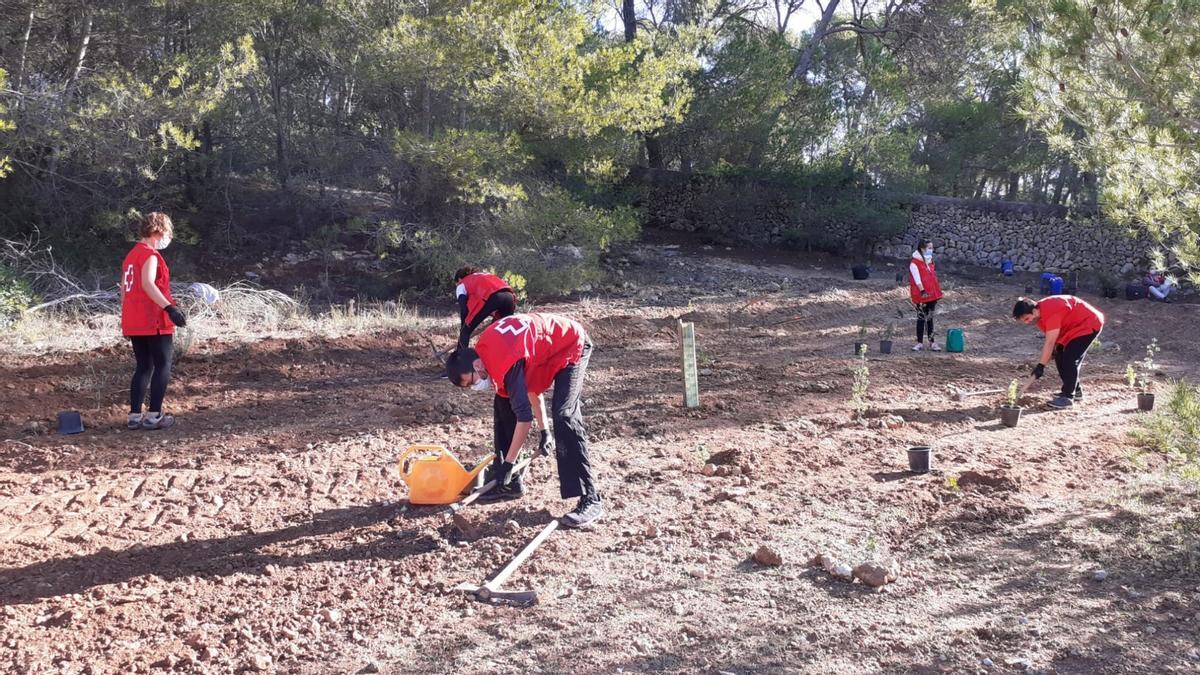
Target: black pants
{"type": "Point", "coordinates": [925, 320]}
{"type": "Point", "coordinates": [501, 303]}
{"type": "Point", "coordinates": [575, 476]}
{"type": "Point", "coordinates": [1068, 359]}
{"type": "Point", "coordinates": [153, 354]}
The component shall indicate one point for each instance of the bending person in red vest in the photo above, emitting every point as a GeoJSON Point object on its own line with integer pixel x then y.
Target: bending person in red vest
{"type": "Point", "coordinates": [522, 356]}
{"type": "Point", "coordinates": [925, 291]}
{"type": "Point", "coordinates": [1071, 326]}
{"type": "Point", "coordinates": [481, 295]}
{"type": "Point", "coordinates": [148, 318]}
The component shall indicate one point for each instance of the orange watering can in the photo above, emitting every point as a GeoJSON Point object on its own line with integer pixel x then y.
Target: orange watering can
{"type": "Point", "coordinates": [434, 475]}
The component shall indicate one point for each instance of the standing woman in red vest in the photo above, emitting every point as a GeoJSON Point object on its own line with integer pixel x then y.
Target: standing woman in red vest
{"type": "Point", "coordinates": [925, 291]}
{"type": "Point", "coordinates": [148, 318]}
{"type": "Point", "coordinates": [481, 295]}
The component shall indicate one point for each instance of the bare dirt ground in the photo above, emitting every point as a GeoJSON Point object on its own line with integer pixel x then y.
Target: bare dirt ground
{"type": "Point", "coordinates": [269, 531]}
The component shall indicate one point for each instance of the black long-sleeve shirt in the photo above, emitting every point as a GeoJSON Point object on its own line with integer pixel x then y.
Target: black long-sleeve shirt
{"type": "Point", "coordinates": [518, 392]}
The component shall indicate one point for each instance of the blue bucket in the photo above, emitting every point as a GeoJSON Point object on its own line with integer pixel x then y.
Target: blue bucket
{"type": "Point", "coordinates": [1006, 266]}
{"type": "Point", "coordinates": [1044, 289]}
{"type": "Point", "coordinates": [1056, 285]}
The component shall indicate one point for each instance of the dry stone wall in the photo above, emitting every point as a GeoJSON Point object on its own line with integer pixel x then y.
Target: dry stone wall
{"type": "Point", "coordinates": [1036, 237]}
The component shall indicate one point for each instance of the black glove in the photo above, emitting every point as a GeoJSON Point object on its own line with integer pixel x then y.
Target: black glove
{"type": "Point", "coordinates": [177, 316]}
{"type": "Point", "coordinates": [545, 443]}
{"type": "Point", "coordinates": [503, 472]}
{"type": "Point", "coordinates": [1038, 371]}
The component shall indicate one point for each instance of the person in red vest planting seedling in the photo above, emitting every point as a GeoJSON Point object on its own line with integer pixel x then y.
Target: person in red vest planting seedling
{"type": "Point", "coordinates": [925, 291]}
{"type": "Point", "coordinates": [481, 295]}
{"type": "Point", "coordinates": [523, 355]}
{"type": "Point", "coordinates": [148, 318]}
{"type": "Point", "coordinates": [1071, 326]}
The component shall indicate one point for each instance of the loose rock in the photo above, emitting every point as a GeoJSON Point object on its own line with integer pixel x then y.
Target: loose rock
{"type": "Point", "coordinates": [765, 555]}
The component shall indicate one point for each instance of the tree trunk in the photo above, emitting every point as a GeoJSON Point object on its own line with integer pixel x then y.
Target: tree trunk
{"type": "Point", "coordinates": [1014, 185]}
{"type": "Point", "coordinates": [804, 63]}
{"type": "Point", "coordinates": [85, 39]}
{"type": "Point", "coordinates": [1060, 182]}
{"type": "Point", "coordinates": [629, 19]}
{"type": "Point", "coordinates": [24, 48]}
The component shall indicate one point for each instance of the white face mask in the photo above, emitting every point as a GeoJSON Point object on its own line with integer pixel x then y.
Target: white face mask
{"type": "Point", "coordinates": [482, 385]}
{"type": "Point", "coordinates": [163, 242]}
{"type": "Point", "coordinates": [928, 254]}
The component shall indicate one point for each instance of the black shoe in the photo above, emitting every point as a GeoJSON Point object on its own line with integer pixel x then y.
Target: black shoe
{"type": "Point", "coordinates": [587, 512]}
{"type": "Point", "coordinates": [1078, 394]}
{"type": "Point", "coordinates": [515, 489]}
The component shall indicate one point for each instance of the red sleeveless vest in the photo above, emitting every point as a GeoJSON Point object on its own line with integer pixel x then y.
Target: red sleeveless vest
{"type": "Point", "coordinates": [547, 342]}
{"type": "Point", "coordinates": [480, 286]}
{"type": "Point", "coordinates": [933, 290]}
{"type": "Point", "coordinates": [139, 314]}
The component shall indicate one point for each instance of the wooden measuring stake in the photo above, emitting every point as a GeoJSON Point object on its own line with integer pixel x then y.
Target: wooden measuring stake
{"type": "Point", "coordinates": [691, 377]}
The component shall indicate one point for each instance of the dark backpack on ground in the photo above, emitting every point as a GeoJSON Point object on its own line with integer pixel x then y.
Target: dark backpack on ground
{"type": "Point", "coordinates": [1135, 291]}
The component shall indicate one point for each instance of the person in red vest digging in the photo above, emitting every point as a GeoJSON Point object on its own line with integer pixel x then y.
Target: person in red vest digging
{"type": "Point", "coordinates": [148, 318]}
{"type": "Point", "coordinates": [1071, 326]}
{"type": "Point", "coordinates": [523, 355]}
{"type": "Point", "coordinates": [925, 291]}
{"type": "Point", "coordinates": [480, 295]}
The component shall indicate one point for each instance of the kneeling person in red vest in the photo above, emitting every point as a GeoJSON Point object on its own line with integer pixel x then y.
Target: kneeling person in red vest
{"type": "Point", "coordinates": [522, 356]}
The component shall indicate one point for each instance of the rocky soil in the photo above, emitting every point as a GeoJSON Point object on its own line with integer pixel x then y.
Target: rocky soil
{"type": "Point", "coordinates": [770, 530]}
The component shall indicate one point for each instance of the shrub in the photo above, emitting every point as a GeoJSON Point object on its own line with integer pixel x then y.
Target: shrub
{"type": "Point", "coordinates": [16, 295]}
{"type": "Point", "coordinates": [1175, 428]}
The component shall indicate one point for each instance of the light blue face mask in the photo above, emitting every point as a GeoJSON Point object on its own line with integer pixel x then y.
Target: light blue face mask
{"type": "Point", "coordinates": [928, 255]}
{"type": "Point", "coordinates": [482, 385]}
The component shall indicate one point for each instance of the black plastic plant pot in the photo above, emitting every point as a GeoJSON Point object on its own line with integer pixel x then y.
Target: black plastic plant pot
{"type": "Point", "coordinates": [919, 459]}
{"type": "Point", "coordinates": [1146, 402]}
{"type": "Point", "coordinates": [860, 348]}
{"type": "Point", "coordinates": [70, 422]}
{"type": "Point", "coordinates": [885, 346]}
{"type": "Point", "coordinates": [1010, 415]}
{"type": "Point", "coordinates": [860, 272]}
{"type": "Point", "coordinates": [1110, 292]}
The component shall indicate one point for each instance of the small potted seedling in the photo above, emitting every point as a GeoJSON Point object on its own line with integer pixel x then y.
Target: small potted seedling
{"type": "Point", "coordinates": [885, 345]}
{"type": "Point", "coordinates": [860, 346]}
{"type": "Point", "coordinates": [1011, 414]}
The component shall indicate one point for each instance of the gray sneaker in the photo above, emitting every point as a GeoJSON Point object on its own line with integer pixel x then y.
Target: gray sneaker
{"type": "Point", "coordinates": [588, 511]}
{"type": "Point", "coordinates": [1061, 402]}
{"type": "Point", "coordinates": [134, 423]}
{"type": "Point", "coordinates": [162, 422]}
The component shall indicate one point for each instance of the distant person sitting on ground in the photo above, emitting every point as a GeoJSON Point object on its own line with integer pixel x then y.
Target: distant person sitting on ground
{"type": "Point", "coordinates": [480, 295]}
{"type": "Point", "coordinates": [148, 318]}
{"type": "Point", "coordinates": [522, 356]}
{"type": "Point", "coordinates": [925, 291]}
{"type": "Point", "coordinates": [1071, 326]}
{"type": "Point", "coordinates": [1159, 285]}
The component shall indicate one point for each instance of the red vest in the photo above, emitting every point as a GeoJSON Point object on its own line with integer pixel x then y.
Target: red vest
{"type": "Point", "coordinates": [1072, 316]}
{"type": "Point", "coordinates": [547, 342]}
{"type": "Point", "coordinates": [139, 314]}
{"type": "Point", "coordinates": [933, 290]}
{"type": "Point", "coordinates": [480, 286]}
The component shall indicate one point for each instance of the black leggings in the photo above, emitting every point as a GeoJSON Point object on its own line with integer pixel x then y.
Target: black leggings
{"type": "Point", "coordinates": [1068, 360]}
{"type": "Point", "coordinates": [500, 303]}
{"type": "Point", "coordinates": [575, 475]}
{"type": "Point", "coordinates": [153, 354]}
{"type": "Point", "coordinates": [925, 320]}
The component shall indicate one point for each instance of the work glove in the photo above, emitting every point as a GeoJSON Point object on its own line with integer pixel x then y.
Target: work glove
{"type": "Point", "coordinates": [177, 316]}
{"type": "Point", "coordinates": [545, 443]}
{"type": "Point", "coordinates": [503, 472]}
{"type": "Point", "coordinates": [1038, 371]}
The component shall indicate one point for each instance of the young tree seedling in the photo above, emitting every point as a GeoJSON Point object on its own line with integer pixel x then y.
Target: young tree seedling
{"type": "Point", "coordinates": [1014, 389]}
